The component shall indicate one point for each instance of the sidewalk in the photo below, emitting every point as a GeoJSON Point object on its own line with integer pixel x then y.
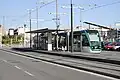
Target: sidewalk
{"type": "Point", "coordinates": [108, 57]}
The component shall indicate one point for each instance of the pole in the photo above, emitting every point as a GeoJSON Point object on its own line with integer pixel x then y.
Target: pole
{"type": "Point", "coordinates": [71, 26]}
{"type": "Point", "coordinates": [80, 19]}
{"type": "Point", "coordinates": [37, 40]}
{"type": "Point", "coordinates": [57, 26]}
{"type": "Point", "coordinates": [11, 41]}
{"type": "Point", "coordinates": [117, 33]}
{"type": "Point", "coordinates": [37, 14]}
{"type": "Point", "coordinates": [89, 26]}
{"type": "Point", "coordinates": [37, 23]}
{"type": "Point", "coordinates": [68, 40]}
{"type": "Point", "coordinates": [81, 42]}
{"type": "Point", "coordinates": [24, 34]}
{"type": "Point", "coordinates": [30, 27]}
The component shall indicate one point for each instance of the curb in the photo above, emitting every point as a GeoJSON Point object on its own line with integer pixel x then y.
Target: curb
{"type": "Point", "coordinates": [72, 56]}
{"type": "Point", "coordinates": [80, 57]}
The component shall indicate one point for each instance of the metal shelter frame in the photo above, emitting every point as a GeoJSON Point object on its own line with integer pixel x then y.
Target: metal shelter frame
{"type": "Point", "coordinates": [44, 31]}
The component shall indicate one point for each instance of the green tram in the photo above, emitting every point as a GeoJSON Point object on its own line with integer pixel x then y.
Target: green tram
{"type": "Point", "coordinates": [83, 41]}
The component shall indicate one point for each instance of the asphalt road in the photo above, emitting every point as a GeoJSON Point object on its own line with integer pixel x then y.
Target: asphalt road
{"type": "Point", "coordinates": [14, 67]}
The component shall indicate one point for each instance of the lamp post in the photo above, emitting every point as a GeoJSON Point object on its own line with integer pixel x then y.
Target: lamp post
{"type": "Point", "coordinates": [80, 15]}
{"type": "Point", "coordinates": [57, 26]}
{"type": "Point", "coordinates": [71, 7]}
{"type": "Point", "coordinates": [37, 13]}
{"type": "Point", "coordinates": [37, 23]}
{"type": "Point", "coordinates": [30, 27]}
{"type": "Point", "coordinates": [24, 34]}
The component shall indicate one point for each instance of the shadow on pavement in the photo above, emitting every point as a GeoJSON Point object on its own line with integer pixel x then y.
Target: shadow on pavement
{"type": "Point", "coordinates": [37, 51]}
{"type": "Point", "coordinates": [22, 49]}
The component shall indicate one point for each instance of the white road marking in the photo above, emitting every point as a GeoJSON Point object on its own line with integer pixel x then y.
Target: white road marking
{"type": "Point", "coordinates": [5, 61]}
{"type": "Point", "coordinates": [17, 67]}
{"type": "Point", "coordinates": [28, 73]}
{"type": "Point", "coordinates": [65, 67]}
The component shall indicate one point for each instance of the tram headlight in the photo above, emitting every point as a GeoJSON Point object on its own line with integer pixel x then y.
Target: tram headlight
{"type": "Point", "coordinates": [99, 47]}
{"type": "Point", "coordinates": [95, 47]}
{"type": "Point", "coordinates": [92, 47]}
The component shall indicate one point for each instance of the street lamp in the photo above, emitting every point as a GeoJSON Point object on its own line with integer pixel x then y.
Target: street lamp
{"type": "Point", "coordinates": [81, 8]}
{"type": "Point", "coordinates": [37, 13]}
{"type": "Point", "coordinates": [37, 10]}
{"type": "Point", "coordinates": [30, 26]}
{"type": "Point", "coordinates": [24, 34]}
{"type": "Point", "coordinates": [57, 26]}
{"type": "Point", "coordinates": [42, 3]}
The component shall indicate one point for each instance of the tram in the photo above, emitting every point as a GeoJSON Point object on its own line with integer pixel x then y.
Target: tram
{"type": "Point", "coordinates": [83, 41]}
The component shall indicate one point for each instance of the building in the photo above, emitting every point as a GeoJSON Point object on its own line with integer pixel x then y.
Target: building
{"type": "Point", "coordinates": [2, 33]}
{"type": "Point", "coordinates": [2, 30]}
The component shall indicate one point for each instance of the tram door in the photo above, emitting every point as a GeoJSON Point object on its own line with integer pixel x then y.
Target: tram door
{"type": "Point", "coordinates": [77, 43]}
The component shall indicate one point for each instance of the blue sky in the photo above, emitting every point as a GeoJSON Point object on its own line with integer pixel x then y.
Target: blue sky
{"type": "Point", "coordinates": [14, 11]}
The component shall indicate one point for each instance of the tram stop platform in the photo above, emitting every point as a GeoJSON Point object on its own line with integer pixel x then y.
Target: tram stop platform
{"type": "Point", "coordinates": [105, 56]}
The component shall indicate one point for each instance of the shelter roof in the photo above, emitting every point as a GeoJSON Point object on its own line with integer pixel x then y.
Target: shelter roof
{"type": "Point", "coordinates": [44, 30]}
{"type": "Point", "coordinates": [97, 25]}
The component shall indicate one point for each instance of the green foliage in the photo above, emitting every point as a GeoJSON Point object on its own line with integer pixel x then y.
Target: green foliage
{"type": "Point", "coordinates": [16, 39]}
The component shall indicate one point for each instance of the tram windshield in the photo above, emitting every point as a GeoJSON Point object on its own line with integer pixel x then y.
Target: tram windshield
{"type": "Point", "coordinates": [94, 37]}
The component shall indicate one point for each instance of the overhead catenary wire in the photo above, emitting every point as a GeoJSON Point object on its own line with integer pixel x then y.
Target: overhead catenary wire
{"type": "Point", "coordinates": [95, 7]}
{"type": "Point", "coordinates": [34, 10]}
{"type": "Point", "coordinates": [100, 6]}
{"type": "Point", "coordinates": [104, 5]}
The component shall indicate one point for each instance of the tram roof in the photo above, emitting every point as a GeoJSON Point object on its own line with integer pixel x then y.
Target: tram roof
{"type": "Point", "coordinates": [97, 25]}
{"type": "Point", "coordinates": [43, 30]}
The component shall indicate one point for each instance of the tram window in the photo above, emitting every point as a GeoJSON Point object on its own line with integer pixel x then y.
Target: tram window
{"type": "Point", "coordinates": [92, 32]}
{"type": "Point", "coordinates": [85, 41]}
{"type": "Point", "coordinates": [76, 39]}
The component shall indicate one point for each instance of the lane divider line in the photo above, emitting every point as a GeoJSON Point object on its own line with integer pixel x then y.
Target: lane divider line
{"type": "Point", "coordinates": [28, 73]}
{"type": "Point", "coordinates": [5, 61]}
{"type": "Point", "coordinates": [17, 67]}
